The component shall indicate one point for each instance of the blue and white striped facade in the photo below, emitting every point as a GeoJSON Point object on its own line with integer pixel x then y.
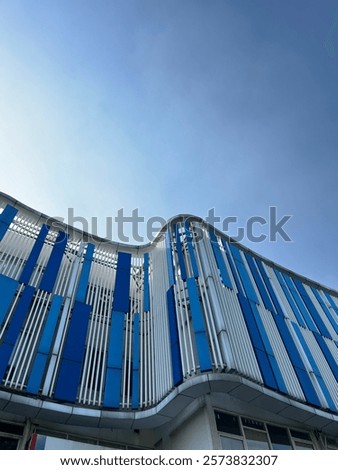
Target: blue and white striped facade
{"type": "Point", "coordinates": [94, 332]}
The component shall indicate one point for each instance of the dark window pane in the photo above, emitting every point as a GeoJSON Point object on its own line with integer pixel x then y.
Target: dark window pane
{"type": "Point", "coordinates": [252, 423]}
{"type": "Point", "coordinates": [8, 443]}
{"type": "Point", "coordinates": [300, 435]}
{"type": "Point", "coordinates": [279, 437]}
{"type": "Point", "coordinates": [227, 423]}
{"type": "Point", "coordinates": [11, 428]}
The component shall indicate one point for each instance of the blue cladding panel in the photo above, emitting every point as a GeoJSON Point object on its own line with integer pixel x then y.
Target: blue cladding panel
{"type": "Point", "coordinates": [305, 314]}
{"type": "Point", "coordinates": [7, 290]}
{"type": "Point", "coordinates": [297, 362]}
{"type": "Point", "coordinates": [135, 399]}
{"type": "Point", "coordinates": [261, 328]}
{"type": "Point", "coordinates": [146, 297]}
{"type": "Point", "coordinates": [326, 393]}
{"type": "Point", "coordinates": [15, 326]}
{"type": "Point", "coordinates": [8, 214]}
{"type": "Point", "coordinates": [265, 368]}
{"type": "Point", "coordinates": [314, 367]}
{"type": "Point", "coordinates": [5, 354]}
{"type": "Point", "coordinates": [6, 218]}
{"type": "Point", "coordinates": [327, 353]}
{"type": "Point", "coordinates": [174, 340]}
{"type": "Point", "coordinates": [170, 263]}
{"type": "Point", "coordinates": [268, 285]}
{"type": "Point", "coordinates": [179, 253]}
{"type": "Point", "coordinates": [235, 252]}
{"type": "Point", "coordinates": [308, 388]}
{"type": "Point", "coordinates": [247, 284]}
{"type": "Point", "coordinates": [116, 340]}
{"type": "Point", "coordinates": [330, 299]}
{"type": "Point", "coordinates": [250, 322]}
{"type": "Point", "coordinates": [112, 391]}
{"type": "Point", "coordinates": [68, 381]}
{"type": "Point", "coordinates": [191, 250]}
{"type": "Point", "coordinates": [124, 260]}
{"type": "Point", "coordinates": [233, 269]}
{"type": "Point", "coordinates": [44, 346]}
{"type": "Point", "coordinates": [77, 332]}
{"type": "Point", "coordinates": [49, 328]}
{"type": "Point", "coordinates": [83, 282]}
{"type": "Point", "coordinates": [257, 343]}
{"type": "Point", "coordinates": [261, 287]}
{"type": "Point", "coordinates": [219, 260]}
{"type": "Point", "coordinates": [289, 343]}
{"type": "Point", "coordinates": [122, 283]}
{"type": "Point", "coordinates": [19, 315]}
{"type": "Point", "coordinates": [36, 374]}
{"type": "Point", "coordinates": [198, 325]}
{"type": "Point", "coordinates": [325, 309]}
{"type": "Point", "coordinates": [73, 353]}
{"type": "Point", "coordinates": [268, 364]}
{"type": "Point", "coordinates": [268, 349]}
{"type": "Point", "coordinates": [34, 255]}
{"type": "Point", "coordinates": [305, 348]}
{"type": "Point", "coordinates": [315, 315]}
{"type": "Point", "coordinates": [289, 297]}
{"type": "Point", "coordinates": [54, 262]}
{"type": "Point", "coordinates": [251, 294]}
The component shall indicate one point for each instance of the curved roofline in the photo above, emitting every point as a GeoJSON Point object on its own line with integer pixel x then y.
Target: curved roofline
{"type": "Point", "coordinates": [177, 218]}
{"type": "Point", "coordinates": [172, 405]}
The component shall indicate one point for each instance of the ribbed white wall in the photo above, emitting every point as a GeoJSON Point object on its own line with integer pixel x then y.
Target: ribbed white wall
{"type": "Point", "coordinates": [159, 284]}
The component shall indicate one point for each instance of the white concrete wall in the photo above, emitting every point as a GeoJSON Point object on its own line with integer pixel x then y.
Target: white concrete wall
{"type": "Point", "coordinates": [193, 434]}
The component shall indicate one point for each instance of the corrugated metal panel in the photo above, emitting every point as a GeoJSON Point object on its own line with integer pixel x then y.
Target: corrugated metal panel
{"type": "Point", "coordinates": [199, 327]}
{"type": "Point", "coordinates": [242, 356]}
{"type": "Point", "coordinates": [99, 296]}
{"type": "Point", "coordinates": [311, 309]}
{"type": "Point", "coordinates": [322, 364]}
{"type": "Point", "coordinates": [280, 351]}
{"type": "Point", "coordinates": [285, 296]}
{"type": "Point", "coordinates": [208, 283]}
{"type": "Point", "coordinates": [328, 308]}
{"type": "Point", "coordinates": [159, 284]}
{"type": "Point", "coordinates": [321, 313]}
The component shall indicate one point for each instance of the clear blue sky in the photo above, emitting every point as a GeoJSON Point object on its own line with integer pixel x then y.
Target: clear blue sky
{"type": "Point", "coordinates": [175, 106]}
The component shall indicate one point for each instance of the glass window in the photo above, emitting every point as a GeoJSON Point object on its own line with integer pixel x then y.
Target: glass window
{"type": "Point", "coordinates": [253, 423]}
{"type": "Point", "coordinates": [300, 435]}
{"type": "Point", "coordinates": [331, 444]}
{"type": "Point", "coordinates": [279, 437]}
{"type": "Point", "coordinates": [8, 443]}
{"type": "Point", "coordinates": [230, 443]}
{"type": "Point", "coordinates": [11, 428]}
{"type": "Point", "coordinates": [303, 445]}
{"type": "Point", "coordinates": [227, 423]}
{"type": "Point", "coordinates": [238, 432]}
{"type": "Point", "coordinates": [256, 440]}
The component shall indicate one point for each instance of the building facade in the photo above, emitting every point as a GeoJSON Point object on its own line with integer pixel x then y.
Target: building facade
{"type": "Point", "coordinates": [190, 342]}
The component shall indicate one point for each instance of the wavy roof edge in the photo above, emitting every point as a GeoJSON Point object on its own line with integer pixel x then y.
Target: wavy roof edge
{"type": "Point", "coordinates": [177, 218]}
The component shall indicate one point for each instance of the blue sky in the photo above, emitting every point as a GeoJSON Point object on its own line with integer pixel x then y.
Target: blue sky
{"type": "Point", "coordinates": [177, 106]}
